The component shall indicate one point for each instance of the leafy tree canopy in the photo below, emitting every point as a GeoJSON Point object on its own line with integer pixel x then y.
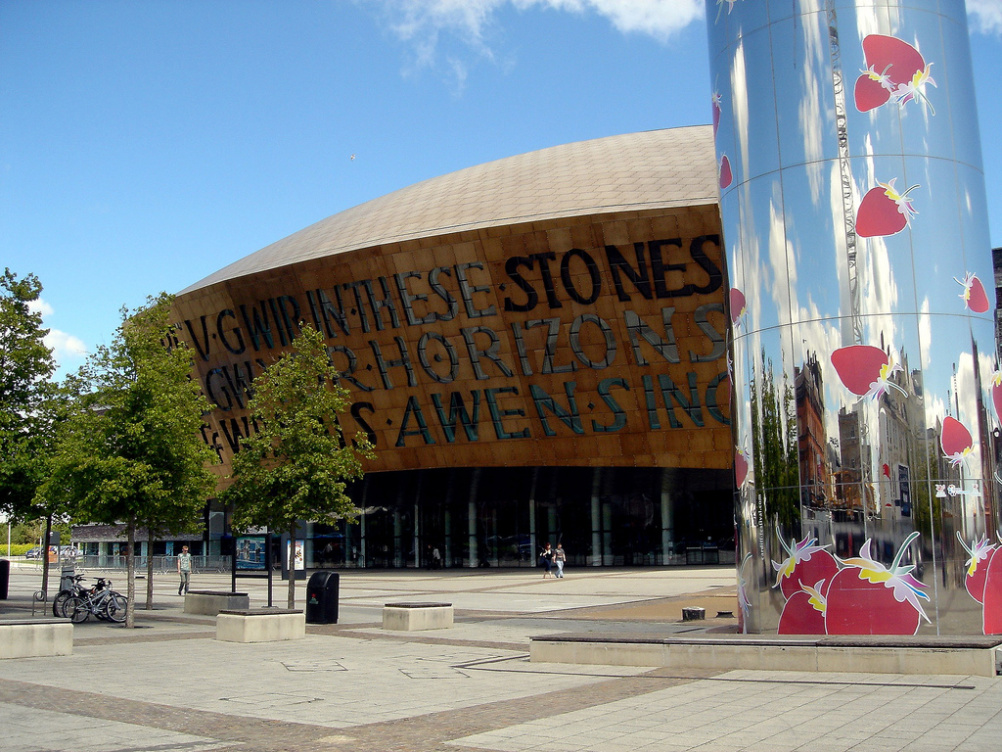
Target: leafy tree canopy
{"type": "Point", "coordinates": [130, 451]}
{"type": "Point", "coordinates": [298, 465]}
{"type": "Point", "coordinates": [26, 367]}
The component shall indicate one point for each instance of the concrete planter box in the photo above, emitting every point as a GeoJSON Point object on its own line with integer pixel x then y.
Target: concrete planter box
{"type": "Point", "coordinates": [972, 655]}
{"type": "Point", "coordinates": [211, 602]}
{"type": "Point", "coordinates": [413, 617]}
{"type": "Point", "coordinates": [33, 639]}
{"type": "Point", "coordinates": [260, 625]}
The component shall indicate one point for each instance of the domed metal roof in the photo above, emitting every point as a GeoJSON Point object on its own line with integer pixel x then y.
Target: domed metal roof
{"type": "Point", "coordinates": [635, 171]}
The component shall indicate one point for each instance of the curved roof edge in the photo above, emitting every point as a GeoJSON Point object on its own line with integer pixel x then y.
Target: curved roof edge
{"type": "Point", "coordinates": [635, 171]}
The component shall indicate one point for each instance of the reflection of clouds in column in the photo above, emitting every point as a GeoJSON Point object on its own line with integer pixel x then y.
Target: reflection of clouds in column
{"type": "Point", "coordinates": [841, 258]}
{"type": "Point", "coordinates": [925, 334]}
{"type": "Point", "coordinates": [752, 275]}
{"type": "Point", "coordinates": [781, 259]}
{"type": "Point", "coordinates": [739, 108]}
{"type": "Point", "coordinates": [878, 291]}
{"type": "Point", "coordinates": [873, 20]}
{"type": "Point", "coordinates": [987, 363]}
{"type": "Point", "coordinates": [935, 409]}
{"type": "Point", "coordinates": [812, 123]}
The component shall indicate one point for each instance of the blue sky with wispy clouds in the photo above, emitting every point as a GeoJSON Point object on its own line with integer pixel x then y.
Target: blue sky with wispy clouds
{"type": "Point", "coordinates": [145, 145]}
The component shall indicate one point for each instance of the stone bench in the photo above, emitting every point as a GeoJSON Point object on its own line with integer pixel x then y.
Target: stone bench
{"type": "Point", "coordinates": [37, 638]}
{"type": "Point", "coordinates": [973, 655]}
{"type": "Point", "coordinates": [260, 625]}
{"type": "Point", "coordinates": [413, 617]}
{"type": "Point", "coordinates": [211, 602]}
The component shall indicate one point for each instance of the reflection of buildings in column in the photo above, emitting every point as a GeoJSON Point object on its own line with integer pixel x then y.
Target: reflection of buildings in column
{"type": "Point", "coordinates": [884, 479]}
{"type": "Point", "coordinates": [898, 413]}
{"type": "Point", "coordinates": [997, 265]}
{"type": "Point", "coordinates": [811, 440]}
{"type": "Point", "coordinates": [848, 480]}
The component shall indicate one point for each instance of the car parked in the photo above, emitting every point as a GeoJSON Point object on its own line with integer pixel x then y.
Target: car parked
{"type": "Point", "coordinates": [34, 553]}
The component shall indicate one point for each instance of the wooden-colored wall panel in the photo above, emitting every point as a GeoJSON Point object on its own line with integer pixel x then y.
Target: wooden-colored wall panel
{"type": "Point", "coordinates": [550, 345]}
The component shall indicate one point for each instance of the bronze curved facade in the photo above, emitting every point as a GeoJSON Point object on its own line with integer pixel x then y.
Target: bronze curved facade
{"type": "Point", "coordinates": [552, 323]}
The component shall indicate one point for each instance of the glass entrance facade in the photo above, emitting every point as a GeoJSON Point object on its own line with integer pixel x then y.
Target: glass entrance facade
{"type": "Point", "coordinates": [502, 517]}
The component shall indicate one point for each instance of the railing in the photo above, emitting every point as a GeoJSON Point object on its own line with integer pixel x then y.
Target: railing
{"type": "Point", "coordinates": [161, 564]}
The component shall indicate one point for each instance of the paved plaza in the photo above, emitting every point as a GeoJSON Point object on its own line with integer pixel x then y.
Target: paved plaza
{"type": "Point", "coordinates": [169, 686]}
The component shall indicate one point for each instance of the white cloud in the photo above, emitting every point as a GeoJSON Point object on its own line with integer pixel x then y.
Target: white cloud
{"type": "Point", "coordinates": [40, 306]}
{"type": "Point", "coordinates": [657, 18]}
{"type": "Point", "coordinates": [985, 16]}
{"type": "Point", "coordinates": [65, 347]}
{"type": "Point", "coordinates": [422, 23]}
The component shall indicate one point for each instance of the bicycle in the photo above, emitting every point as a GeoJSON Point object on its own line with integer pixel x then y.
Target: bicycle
{"type": "Point", "coordinates": [59, 602]}
{"type": "Point", "coordinates": [101, 601]}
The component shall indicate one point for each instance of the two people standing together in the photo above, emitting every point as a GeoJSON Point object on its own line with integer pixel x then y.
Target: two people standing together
{"type": "Point", "coordinates": [550, 558]}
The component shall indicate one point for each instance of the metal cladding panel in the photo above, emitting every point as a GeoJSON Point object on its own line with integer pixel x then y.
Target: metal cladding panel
{"type": "Point", "coordinates": [865, 376]}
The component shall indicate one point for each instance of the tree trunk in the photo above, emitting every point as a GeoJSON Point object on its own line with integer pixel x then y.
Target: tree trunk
{"type": "Point", "coordinates": [130, 570]}
{"type": "Point", "coordinates": [149, 568]}
{"type": "Point", "coordinates": [45, 555]}
{"type": "Point", "coordinates": [292, 566]}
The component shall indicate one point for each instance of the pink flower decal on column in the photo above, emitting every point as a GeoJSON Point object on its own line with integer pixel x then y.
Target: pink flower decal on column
{"type": "Point", "coordinates": [867, 597]}
{"type": "Point", "coordinates": [866, 370]}
{"type": "Point", "coordinates": [720, 8]}
{"type": "Point", "coordinates": [894, 70]}
{"type": "Point", "coordinates": [974, 296]}
{"type": "Point", "coordinates": [996, 386]}
{"type": "Point", "coordinates": [737, 304]}
{"type": "Point", "coordinates": [884, 212]}
{"type": "Point", "coordinates": [806, 563]}
{"type": "Point", "coordinates": [724, 172]}
{"type": "Point", "coordinates": [981, 552]}
{"type": "Point", "coordinates": [804, 612]}
{"type": "Point", "coordinates": [956, 441]}
{"type": "Point", "coordinates": [992, 603]}
{"type": "Point", "coordinates": [740, 468]}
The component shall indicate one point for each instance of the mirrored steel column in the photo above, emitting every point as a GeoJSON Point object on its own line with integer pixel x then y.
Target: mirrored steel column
{"type": "Point", "coordinates": [866, 391]}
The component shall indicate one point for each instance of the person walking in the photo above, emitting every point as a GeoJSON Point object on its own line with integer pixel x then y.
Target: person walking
{"type": "Point", "coordinates": [559, 557]}
{"type": "Point", "coordinates": [546, 560]}
{"type": "Point", "coordinates": [184, 570]}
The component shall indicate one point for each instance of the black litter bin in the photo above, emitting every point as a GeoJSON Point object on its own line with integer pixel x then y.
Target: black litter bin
{"type": "Point", "coordinates": [68, 577]}
{"type": "Point", "coordinates": [321, 598]}
{"type": "Point", "coordinates": [4, 578]}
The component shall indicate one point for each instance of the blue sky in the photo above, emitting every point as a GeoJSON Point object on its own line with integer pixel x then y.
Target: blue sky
{"type": "Point", "coordinates": [143, 145]}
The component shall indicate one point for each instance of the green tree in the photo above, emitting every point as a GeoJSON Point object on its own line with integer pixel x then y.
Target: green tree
{"type": "Point", "coordinates": [26, 407]}
{"type": "Point", "coordinates": [26, 366]}
{"type": "Point", "coordinates": [130, 452]}
{"type": "Point", "coordinates": [777, 468]}
{"type": "Point", "coordinates": [298, 465]}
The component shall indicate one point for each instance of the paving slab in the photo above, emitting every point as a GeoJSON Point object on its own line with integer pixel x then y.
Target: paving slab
{"type": "Point", "coordinates": [168, 685]}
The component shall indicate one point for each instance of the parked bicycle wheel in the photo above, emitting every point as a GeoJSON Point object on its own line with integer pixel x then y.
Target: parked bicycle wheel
{"type": "Point", "coordinates": [114, 608]}
{"type": "Point", "coordinates": [100, 609]}
{"type": "Point", "coordinates": [78, 610]}
{"type": "Point", "coordinates": [59, 603]}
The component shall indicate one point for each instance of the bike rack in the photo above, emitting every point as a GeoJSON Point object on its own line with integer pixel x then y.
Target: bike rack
{"type": "Point", "coordinates": [38, 598]}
